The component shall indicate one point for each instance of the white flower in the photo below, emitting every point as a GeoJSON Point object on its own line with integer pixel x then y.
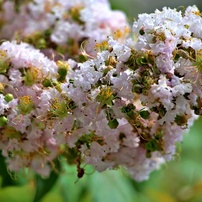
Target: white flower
{"type": "Point", "coordinates": [3, 104]}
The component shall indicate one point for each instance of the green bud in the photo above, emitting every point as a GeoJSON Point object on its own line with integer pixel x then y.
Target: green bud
{"type": "Point", "coordinates": [62, 73]}
{"type": "Point", "coordinates": [46, 83]}
{"type": "Point", "coordinates": [137, 88]}
{"type": "Point", "coordinates": [41, 43]}
{"type": "Point", "coordinates": [152, 146]}
{"type": "Point", "coordinates": [144, 114]}
{"type": "Point", "coordinates": [181, 120]}
{"type": "Point", "coordinates": [130, 114]}
{"type": "Point", "coordinates": [141, 61]}
{"type": "Point", "coordinates": [8, 97]}
{"type": "Point", "coordinates": [82, 58]}
{"type": "Point", "coordinates": [3, 121]}
{"type": "Point", "coordinates": [113, 124]}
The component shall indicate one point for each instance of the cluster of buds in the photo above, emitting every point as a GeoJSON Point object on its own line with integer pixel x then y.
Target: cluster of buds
{"type": "Point", "coordinates": [127, 104]}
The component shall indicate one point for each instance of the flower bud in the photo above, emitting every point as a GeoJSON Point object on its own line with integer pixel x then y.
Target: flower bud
{"type": "Point", "coordinates": [8, 97]}
{"type": "Point", "coordinates": [3, 121]}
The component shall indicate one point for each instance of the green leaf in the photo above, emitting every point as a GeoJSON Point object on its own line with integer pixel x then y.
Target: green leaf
{"type": "Point", "coordinates": [17, 193]}
{"type": "Point", "coordinates": [6, 178]}
{"type": "Point", "coordinates": [73, 189]}
{"type": "Point", "coordinates": [52, 197]}
{"type": "Point", "coordinates": [111, 186]}
{"type": "Point", "coordinates": [43, 186]}
{"type": "Point", "coordinates": [159, 196]}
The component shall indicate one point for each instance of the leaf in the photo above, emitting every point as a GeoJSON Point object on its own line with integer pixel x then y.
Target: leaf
{"type": "Point", "coordinates": [6, 178]}
{"type": "Point", "coordinates": [17, 194]}
{"type": "Point", "coordinates": [52, 197]}
{"type": "Point", "coordinates": [72, 189]}
{"type": "Point", "coordinates": [43, 186]}
{"type": "Point", "coordinates": [112, 186]}
{"type": "Point", "coordinates": [159, 196]}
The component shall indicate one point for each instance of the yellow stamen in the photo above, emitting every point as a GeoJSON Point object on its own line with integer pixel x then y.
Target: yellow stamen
{"type": "Point", "coordinates": [26, 99]}
{"type": "Point", "coordinates": [2, 53]}
{"type": "Point", "coordinates": [55, 104]}
{"type": "Point", "coordinates": [197, 13]}
{"type": "Point", "coordinates": [34, 71]}
{"type": "Point", "coordinates": [1, 87]}
{"type": "Point", "coordinates": [63, 64]}
{"type": "Point", "coordinates": [101, 46]}
{"type": "Point", "coordinates": [106, 93]}
{"type": "Point", "coordinates": [119, 34]}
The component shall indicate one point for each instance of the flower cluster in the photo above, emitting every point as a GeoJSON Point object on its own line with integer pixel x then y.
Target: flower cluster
{"type": "Point", "coordinates": [62, 27]}
{"type": "Point", "coordinates": [127, 105]}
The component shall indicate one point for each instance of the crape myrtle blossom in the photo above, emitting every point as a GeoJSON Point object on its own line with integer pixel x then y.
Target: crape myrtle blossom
{"type": "Point", "coordinates": [26, 136]}
{"type": "Point", "coordinates": [124, 124]}
{"type": "Point", "coordinates": [153, 72]}
{"type": "Point", "coordinates": [64, 25]}
{"type": "Point", "coordinates": [128, 105]}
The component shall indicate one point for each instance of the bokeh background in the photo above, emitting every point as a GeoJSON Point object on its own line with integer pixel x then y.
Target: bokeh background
{"type": "Point", "coordinates": [177, 181]}
{"type": "Point", "coordinates": [135, 7]}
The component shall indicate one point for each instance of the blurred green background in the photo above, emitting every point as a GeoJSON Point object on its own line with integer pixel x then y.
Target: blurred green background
{"type": "Point", "coordinates": [177, 181]}
{"type": "Point", "coordinates": [135, 7]}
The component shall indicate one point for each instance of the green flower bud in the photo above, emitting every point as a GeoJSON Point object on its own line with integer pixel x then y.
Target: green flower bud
{"type": "Point", "coordinates": [113, 124]}
{"type": "Point", "coordinates": [144, 114]}
{"type": "Point", "coordinates": [3, 121]}
{"type": "Point", "coordinates": [62, 70]}
{"type": "Point", "coordinates": [8, 97]}
{"type": "Point", "coordinates": [47, 83]}
{"type": "Point", "coordinates": [41, 43]}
